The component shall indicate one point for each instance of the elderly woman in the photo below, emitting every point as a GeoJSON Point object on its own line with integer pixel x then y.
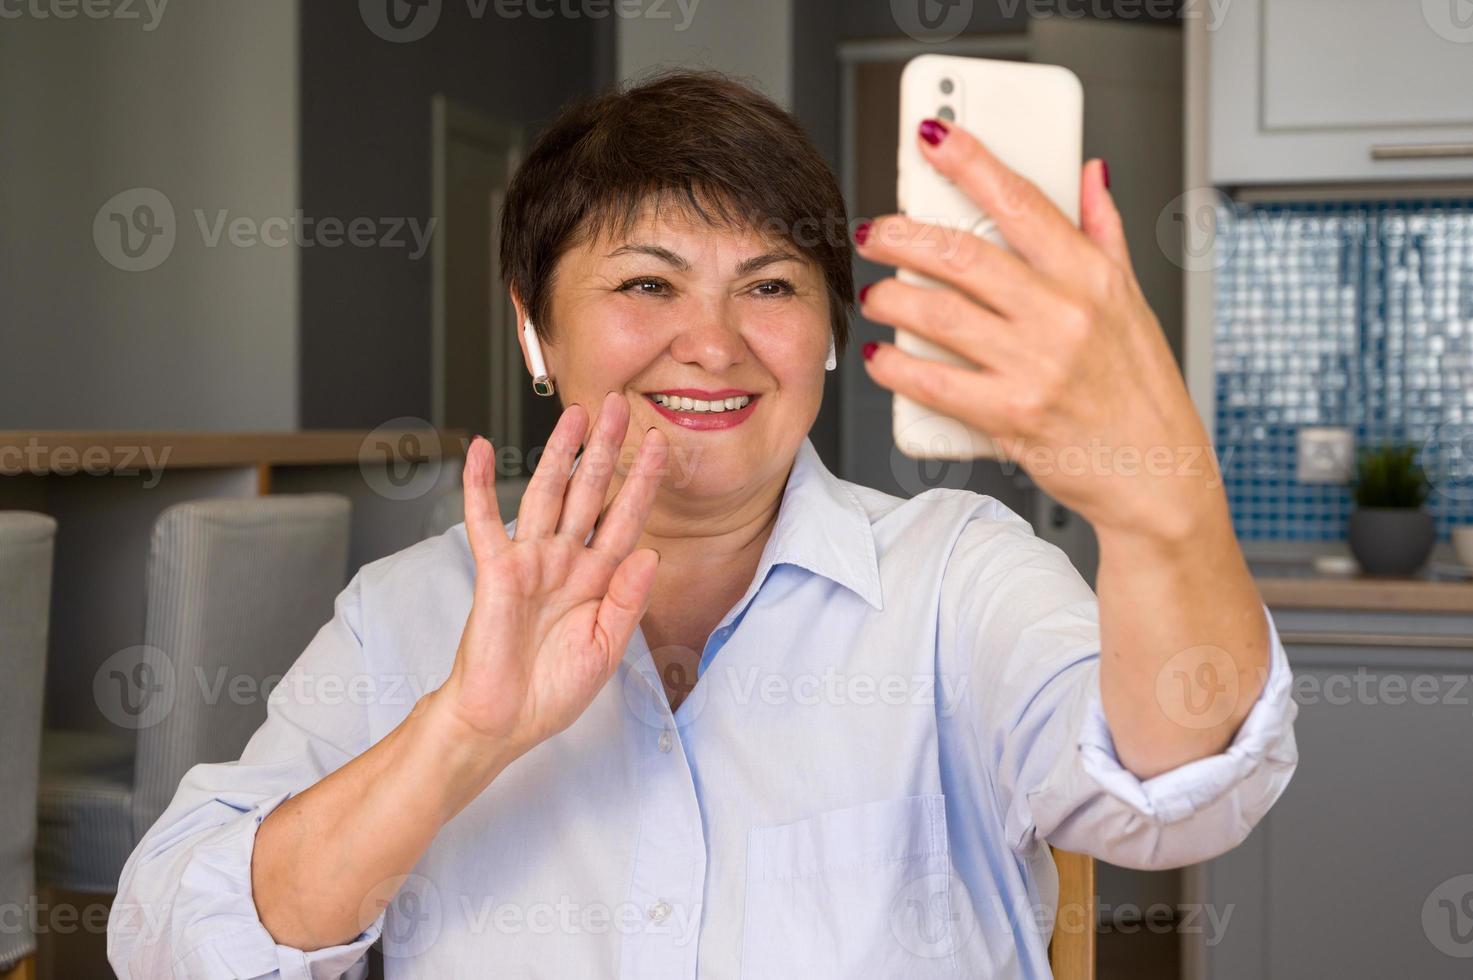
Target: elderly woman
{"type": "Point", "coordinates": [704, 709]}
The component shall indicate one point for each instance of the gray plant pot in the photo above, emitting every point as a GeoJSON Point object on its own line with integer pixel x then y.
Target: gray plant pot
{"type": "Point", "coordinates": [1391, 540]}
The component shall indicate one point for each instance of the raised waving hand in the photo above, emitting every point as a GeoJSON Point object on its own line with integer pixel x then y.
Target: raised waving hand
{"type": "Point", "coordinates": [554, 609]}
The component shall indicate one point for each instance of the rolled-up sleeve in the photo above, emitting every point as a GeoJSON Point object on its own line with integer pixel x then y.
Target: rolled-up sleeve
{"type": "Point", "coordinates": [1027, 626]}
{"type": "Point", "coordinates": [1262, 751]}
{"type": "Point", "coordinates": [184, 906]}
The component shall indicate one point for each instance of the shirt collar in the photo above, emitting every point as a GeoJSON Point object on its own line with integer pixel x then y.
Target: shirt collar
{"type": "Point", "coordinates": [822, 527]}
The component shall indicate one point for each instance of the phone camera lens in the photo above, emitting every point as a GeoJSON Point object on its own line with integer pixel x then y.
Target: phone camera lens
{"type": "Point", "coordinates": [946, 113]}
{"type": "Point", "coordinates": [947, 86]}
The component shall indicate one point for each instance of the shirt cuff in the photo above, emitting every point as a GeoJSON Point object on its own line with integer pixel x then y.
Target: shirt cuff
{"type": "Point", "coordinates": [242, 946]}
{"type": "Point", "coordinates": [1181, 792]}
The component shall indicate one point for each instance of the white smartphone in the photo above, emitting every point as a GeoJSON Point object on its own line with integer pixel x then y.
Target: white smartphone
{"type": "Point", "coordinates": [1031, 117]}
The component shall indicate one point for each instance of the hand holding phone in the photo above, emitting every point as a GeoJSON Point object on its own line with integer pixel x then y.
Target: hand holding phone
{"type": "Point", "coordinates": [1054, 348]}
{"type": "Point", "coordinates": [1031, 117]}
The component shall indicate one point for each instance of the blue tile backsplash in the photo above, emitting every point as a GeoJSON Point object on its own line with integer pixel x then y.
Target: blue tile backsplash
{"type": "Point", "coordinates": [1342, 314]}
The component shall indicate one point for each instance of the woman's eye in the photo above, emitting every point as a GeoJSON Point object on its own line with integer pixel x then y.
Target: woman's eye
{"type": "Point", "coordinates": [773, 287]}
{"type": "Point", "coordinates": [645, 287]}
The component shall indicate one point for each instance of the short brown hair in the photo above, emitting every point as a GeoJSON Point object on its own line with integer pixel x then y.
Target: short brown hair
{"type": "Point", "coordinates": [714, 147]}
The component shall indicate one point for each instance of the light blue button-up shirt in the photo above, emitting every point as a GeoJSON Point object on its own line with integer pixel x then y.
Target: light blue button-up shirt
{"type": "Point", "coordinates": [888, 730]}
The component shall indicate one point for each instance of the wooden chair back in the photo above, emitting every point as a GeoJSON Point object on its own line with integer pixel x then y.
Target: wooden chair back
{"type": "Point", "coordinates": [1071, 953]}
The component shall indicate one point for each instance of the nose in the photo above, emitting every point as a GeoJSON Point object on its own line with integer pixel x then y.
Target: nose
{"type": "Point", "coordinates": [713, 341]}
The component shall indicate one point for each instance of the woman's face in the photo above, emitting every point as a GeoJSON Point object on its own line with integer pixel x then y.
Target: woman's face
{"type": "Point", "coordinates": [680, 309]}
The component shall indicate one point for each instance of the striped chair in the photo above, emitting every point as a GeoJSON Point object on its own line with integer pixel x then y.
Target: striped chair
{"type": "Point", "coordinates": [26, 545]}
{"type": "Point", "coordinates": [236, 588]}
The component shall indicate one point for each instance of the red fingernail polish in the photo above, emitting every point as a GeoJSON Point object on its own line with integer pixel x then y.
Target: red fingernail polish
{"type": "Point", "coordinates": [861, 234]}
{"type": "Point", "coordinates": [1104, 166]}
{"type": "Point", "coordinates": [863, 290]}
{"type": "Point", "coordinates": [869, 349]}
{"type": "Point", "coordinates": [933, 131]}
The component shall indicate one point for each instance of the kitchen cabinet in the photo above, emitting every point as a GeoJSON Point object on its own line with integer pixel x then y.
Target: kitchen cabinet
{"type": "Point", "coordinates": [1339, 90]}
{"type": "Point", "coordinates": [1364, 868]}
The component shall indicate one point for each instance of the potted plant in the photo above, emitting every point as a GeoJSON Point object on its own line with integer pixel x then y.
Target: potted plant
{"type": "Point", "coordinates": [1390, 533]}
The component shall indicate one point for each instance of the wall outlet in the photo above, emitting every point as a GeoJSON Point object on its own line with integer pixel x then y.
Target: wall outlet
{"type": "Point", "coordinates": [1325, 455]}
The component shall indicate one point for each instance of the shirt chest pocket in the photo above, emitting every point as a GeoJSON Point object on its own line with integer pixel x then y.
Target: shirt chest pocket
{"type": "Point", "coordinates": [863, 891]}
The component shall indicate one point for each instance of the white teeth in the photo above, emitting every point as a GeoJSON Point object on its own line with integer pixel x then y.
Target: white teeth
{"type": "Point", "coordinates": [680, 403]}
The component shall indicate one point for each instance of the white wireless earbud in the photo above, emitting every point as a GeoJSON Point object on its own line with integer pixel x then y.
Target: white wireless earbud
{"type": "Point", "coordinates": [833, 359]}
{"type": "Point", "coordinates": [541, 383]}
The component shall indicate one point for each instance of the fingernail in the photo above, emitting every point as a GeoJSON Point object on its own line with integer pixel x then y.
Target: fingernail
{"type": "Point", "coordinates": [1105, 166]}
{"type": "Point", "coordinates": [861, 234]}
{"type": "Point", "coordinates": [863, 290]}
{"type": "Point", "coordinates": [933, 131]}
{"type": "Point", "coordinates": [869, 349]}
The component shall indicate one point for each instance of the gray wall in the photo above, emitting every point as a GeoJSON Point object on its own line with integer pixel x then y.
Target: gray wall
{"type": "Point", "coordinates": [365, 110]}
{"type": "Point", "coordinates": [262, 110]}
{"type": "Point", "coordinates": [199, 106]}
{"type": "Point", "coordinates": [751, 41]}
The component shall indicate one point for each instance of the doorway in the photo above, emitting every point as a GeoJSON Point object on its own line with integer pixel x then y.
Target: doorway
{"type": "Point", "coordinates": [479, 382]}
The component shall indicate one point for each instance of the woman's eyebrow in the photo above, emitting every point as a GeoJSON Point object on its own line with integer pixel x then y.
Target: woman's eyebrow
{"type": "Point", "coordinates": [766, 258]}
{"type": "Point", "coordinates": [658, 251]}
{"type": "Point", "coordinates": [664, 254]}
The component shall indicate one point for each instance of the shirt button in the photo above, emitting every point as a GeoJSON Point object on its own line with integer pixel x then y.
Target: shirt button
{"type": "Point", "coordinates": [666, 740]}
{"type": "Point", "coordinates": [659, 912]}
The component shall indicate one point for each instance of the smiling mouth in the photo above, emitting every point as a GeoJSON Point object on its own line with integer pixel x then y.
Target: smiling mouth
{"type": "Point", "coordinates": [702, 406]}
